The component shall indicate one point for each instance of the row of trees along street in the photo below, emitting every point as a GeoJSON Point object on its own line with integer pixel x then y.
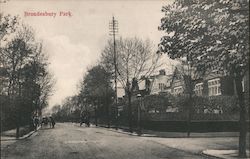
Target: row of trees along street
{"type": "Point", "coordinates": [26, 82]}
{"type": "Point", "coordinates": [207, 35]}
{"type": "Point", "coordinates": [135, 59]}
{"type": "Point", "coordinates": [211, 35]}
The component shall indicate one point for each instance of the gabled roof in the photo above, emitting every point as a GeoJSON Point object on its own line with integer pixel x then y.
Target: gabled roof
{"type": "Point", "coordinates": [179, 71]}
{"type": "Point", "coordinates": [213, 74]}
{"type": "Point", "coordinates": [168, 78]}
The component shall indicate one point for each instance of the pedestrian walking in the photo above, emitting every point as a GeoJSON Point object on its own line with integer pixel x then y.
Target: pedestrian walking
{"type": "Point", "coordinates": [32, 123]}
{"type": "Point", "coordinates": [36, 122]}
{"type": "Point", "coordinates": [52, 122]}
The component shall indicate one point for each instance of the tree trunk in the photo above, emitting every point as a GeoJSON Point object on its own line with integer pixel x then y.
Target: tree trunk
{"type": "Point", "coordinates": [189, 114]}
{"type": "Point", "coordinates": [139, 117]}
{"type": "Point", "coordinates": [129, 112]}
{"type": "Point", "coordinates": [107, 111]}
{"type": "Point", "coordinates": [242, 122]}
{"type": "Point", "coordinates": [95, 116]}
{"type": "Point", "coordinates": [189, 123]}
{"type": "Point", "coordinates": [17, 124]}
{"type": "Point", "coordinates": [189, 87]}
{"type": "Point", "coordinates": [17, 131]}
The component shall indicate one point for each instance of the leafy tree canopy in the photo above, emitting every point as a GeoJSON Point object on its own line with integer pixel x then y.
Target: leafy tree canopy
{"type": "Point", "coordinates": [212, 34]}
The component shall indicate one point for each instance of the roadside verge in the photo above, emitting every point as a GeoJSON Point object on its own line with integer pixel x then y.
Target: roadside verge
{"type": "Point", "coordinates": [224, 154]}
{"type": "Point", "coordinates": [8, 137]}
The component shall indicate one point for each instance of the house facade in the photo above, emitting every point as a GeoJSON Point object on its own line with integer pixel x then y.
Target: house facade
{"type": "Point", "coordinates": [177, 84]}
{"type": "Point", "coordinates": [160, 83]}
{"type": "Point", "coordinates": [213, 83]}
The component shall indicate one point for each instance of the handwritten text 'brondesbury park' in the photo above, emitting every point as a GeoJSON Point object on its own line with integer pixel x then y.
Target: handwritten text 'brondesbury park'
{"type": "Point", "coordinates": [47, 14]}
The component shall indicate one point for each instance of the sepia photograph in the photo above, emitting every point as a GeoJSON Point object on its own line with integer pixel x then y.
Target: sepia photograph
{"type": "Point", "coordinates": [124, 79]}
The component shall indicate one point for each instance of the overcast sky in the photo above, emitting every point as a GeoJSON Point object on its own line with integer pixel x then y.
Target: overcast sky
{"type": "Point", "coordinates": [74, 43]}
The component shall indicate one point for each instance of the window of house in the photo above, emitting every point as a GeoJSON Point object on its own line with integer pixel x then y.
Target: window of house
{"type": "Point", "coordinates": [177, 83]}
{"type": "Point", "coordinates": [214, 87]}
{"type": "Point", "coordinates": [198, 89]}
{"type": "Point", "coordinates": [161, 86]}
{"type": "Point", "coordinates": [178, 90]}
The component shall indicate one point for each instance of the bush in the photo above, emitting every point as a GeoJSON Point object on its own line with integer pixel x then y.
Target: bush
{"type": "Point", "coordinates": [216, 105]}
{"type": "Point", "coordinates": [8, 120]}
{"type": "Point", "coordinates": [216, 108]}
{"type": "Point", "coordinates": [158, 103]}
{"type": "Point", "coordinates": [181, 102]}
{"type": "Point", "coordinates": [207, 105]}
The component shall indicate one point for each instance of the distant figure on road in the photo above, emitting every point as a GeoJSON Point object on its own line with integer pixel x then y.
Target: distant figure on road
{"type": "Point", "coordinates": [82, 119]}
{"type": "Point", "coordinates": [32, 123]}
{"type": "Point", "coordinates": [36, 122]}
{"type": "Point", "coordinates": [52, 122]}
{"type": "Point", "coordinates": [85, 118]}
{"type": "Point", "coordinates": [44, 121]}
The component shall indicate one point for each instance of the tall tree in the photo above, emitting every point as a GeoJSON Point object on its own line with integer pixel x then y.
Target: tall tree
{"type": "Point", "coordinates": [97, 90]}
{"type": "Point", "coordinates": [212, 35]}
{"type": "Point", "coordinates": [8, 25]}
{"type": "Point", "coordinates": [135, 58]}
{"type": "Point", "coordinates": [188, 76]}
{"type": "Point", "coordinates": [24, 61]}
{"type": "Point", "coordinates": [16, 56]}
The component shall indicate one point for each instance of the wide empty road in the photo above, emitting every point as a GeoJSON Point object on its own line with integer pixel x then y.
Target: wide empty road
{"type": "Point", "coordinates": [69, 141]}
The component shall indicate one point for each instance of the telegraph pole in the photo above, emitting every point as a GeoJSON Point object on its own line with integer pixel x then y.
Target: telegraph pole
{"type": "Point", "coordinates": [113, 27]}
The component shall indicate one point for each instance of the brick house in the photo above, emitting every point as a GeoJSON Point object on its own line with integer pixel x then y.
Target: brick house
{"type": "Point", "coordinates": [213, 83]}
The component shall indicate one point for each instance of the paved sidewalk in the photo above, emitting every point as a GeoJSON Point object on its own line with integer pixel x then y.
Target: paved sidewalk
{"type": "Point", "coordinates": [8, 137]}
{"type": "Point", "coordinates": [222, 145]}
{"type": "Point", "coordinates": [12, 132]}
{"type": "Point", "coordinates": [151, 133]}
{"type": "Point", "coordinates": [224, 154]}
